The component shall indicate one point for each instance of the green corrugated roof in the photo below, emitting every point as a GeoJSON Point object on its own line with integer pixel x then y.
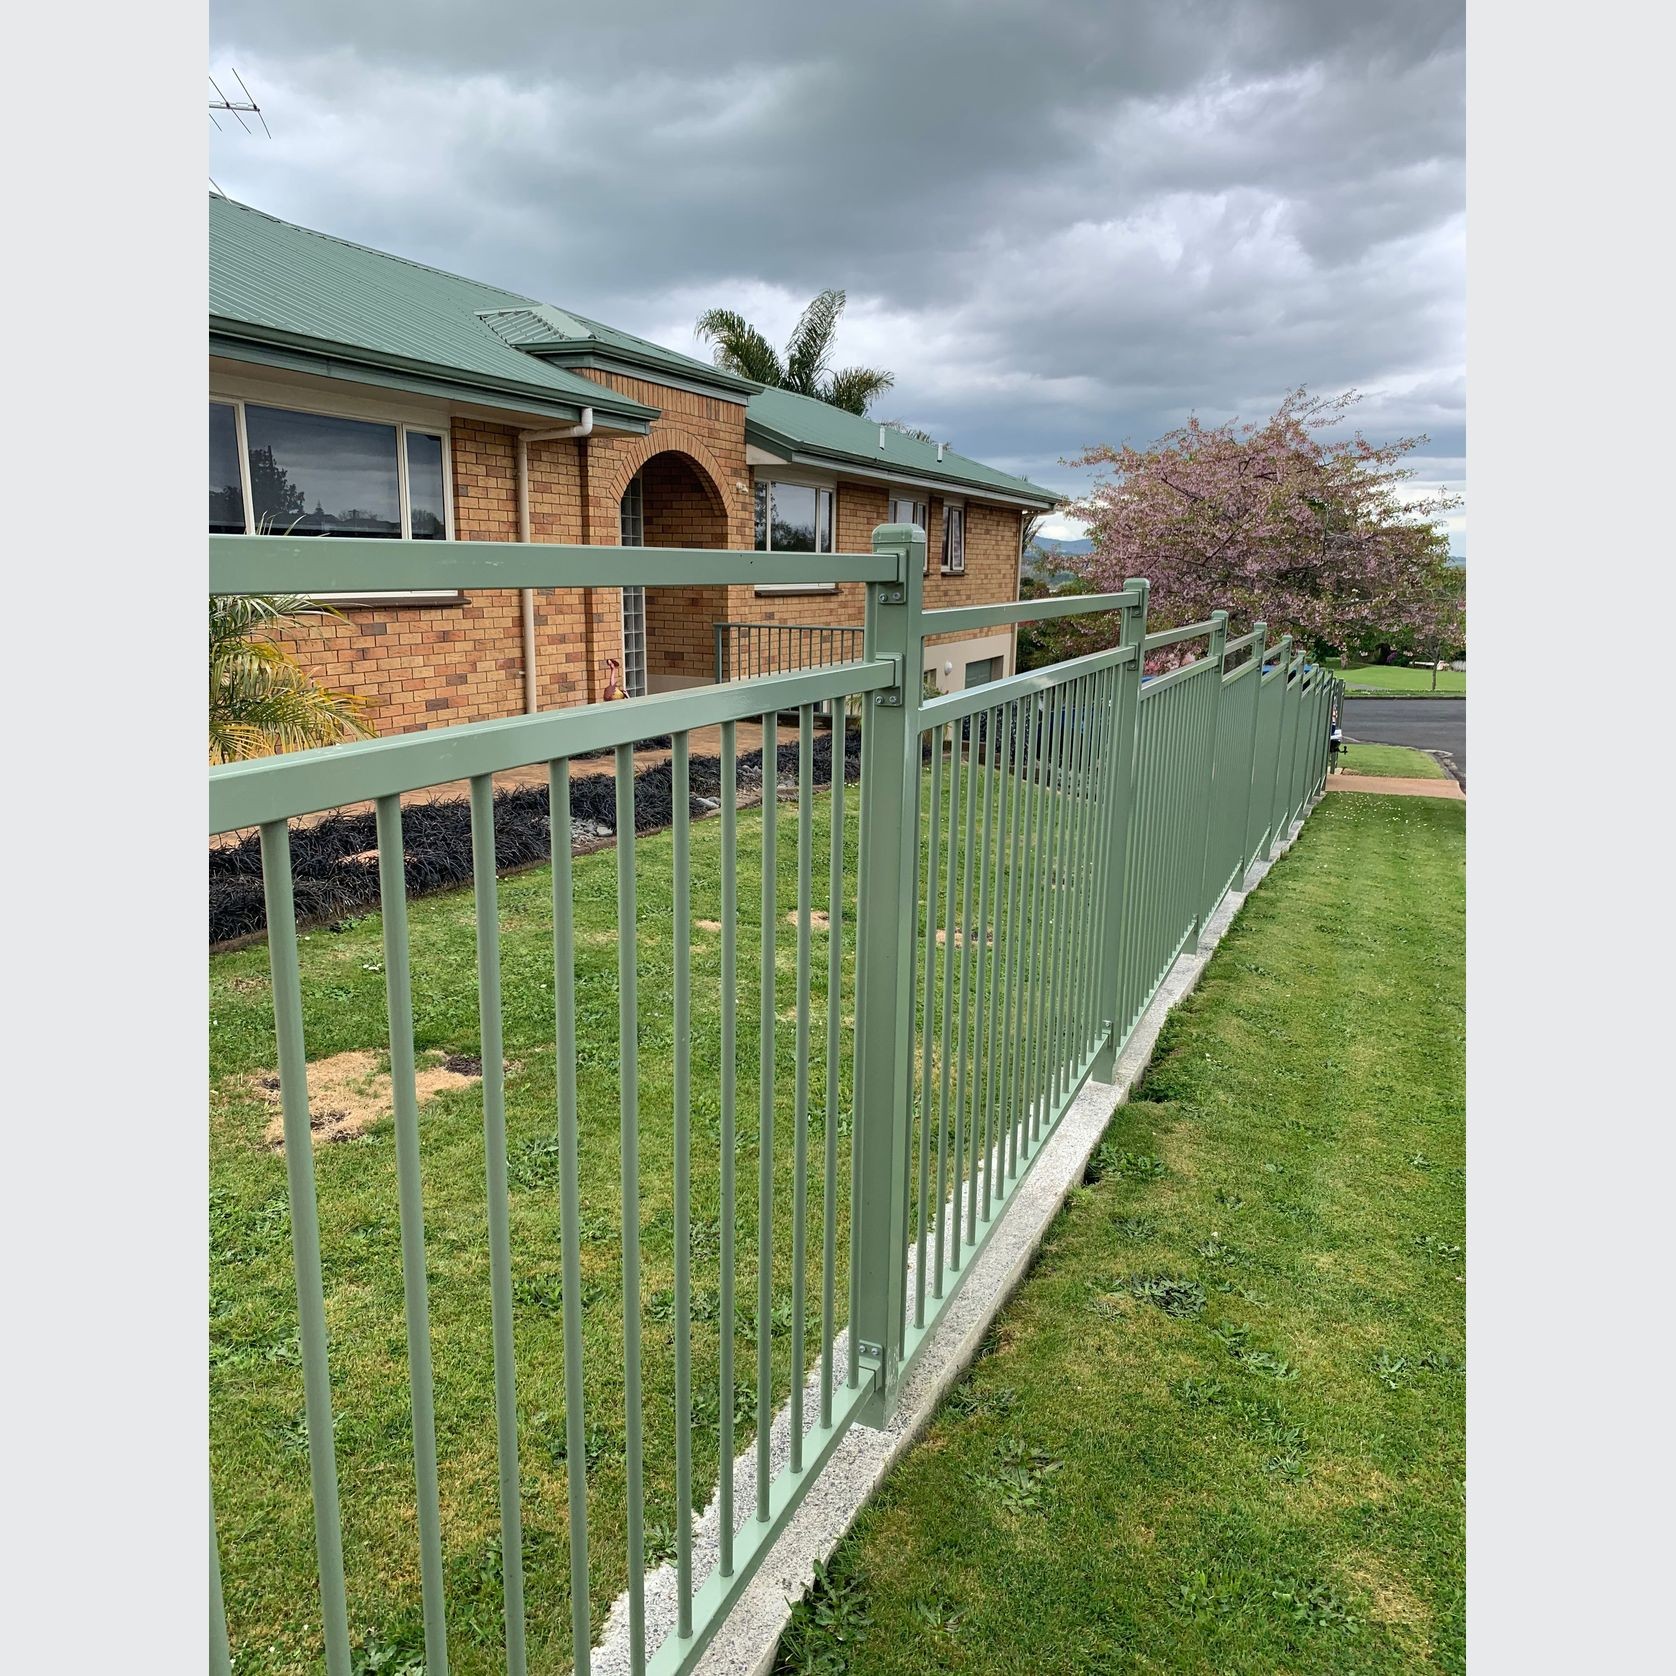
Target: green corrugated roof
{"type": "Point", "coordinates": [558, 334]}
{"type": "Point", "coordinates": [779, 420]}
{"type": "Point", "coordinates": [275, 283]}
{"type": "Point", "coordinates": [286, 284]}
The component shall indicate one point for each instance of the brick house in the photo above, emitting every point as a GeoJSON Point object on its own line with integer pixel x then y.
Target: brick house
{"type": "Point", "coordinates": [353, 392]}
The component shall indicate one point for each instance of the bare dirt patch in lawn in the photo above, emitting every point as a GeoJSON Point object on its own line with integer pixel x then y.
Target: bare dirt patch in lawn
{"type": "Point", "coordinates": [350, 1092]}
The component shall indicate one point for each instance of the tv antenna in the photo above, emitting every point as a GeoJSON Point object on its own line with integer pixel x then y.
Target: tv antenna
{"type": "Point", "coordinates": [238, 109]}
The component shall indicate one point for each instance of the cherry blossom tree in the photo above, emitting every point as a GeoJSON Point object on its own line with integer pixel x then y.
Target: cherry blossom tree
{"type": "Point", "coordinates": [1320, 536]}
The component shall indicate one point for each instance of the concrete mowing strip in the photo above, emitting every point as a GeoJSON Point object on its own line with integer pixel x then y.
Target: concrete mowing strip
{"type": "Point", "coordinates": [746, 1643]}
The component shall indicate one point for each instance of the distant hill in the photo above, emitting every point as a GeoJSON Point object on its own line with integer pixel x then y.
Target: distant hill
{"type": "Point", "coordinates": [1045, 560]}
{"type": "Point", "coordinates": [1053, 544]}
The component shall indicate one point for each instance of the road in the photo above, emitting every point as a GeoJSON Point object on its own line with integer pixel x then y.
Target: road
{"type": "Point", "coordinates": [1429, 724]}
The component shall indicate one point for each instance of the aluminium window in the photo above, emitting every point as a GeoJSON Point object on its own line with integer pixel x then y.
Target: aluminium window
{"type": "Point", "coordinates": [631, 532]}
{"type": "Point", "coordinates": [795, 518]}
{"type": "Point", "coordinates": [288, 471]}
{"type": "Point", "coordinates": [954, 539]}
{"type": "Point", "coordinates": [913, 512]}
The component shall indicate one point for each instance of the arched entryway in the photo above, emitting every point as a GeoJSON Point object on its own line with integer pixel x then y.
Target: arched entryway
{"type": "Point", "coordinates": [668, 633]}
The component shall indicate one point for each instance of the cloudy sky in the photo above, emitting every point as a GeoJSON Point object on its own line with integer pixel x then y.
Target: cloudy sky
{"type": "Point", "coordinates": [1058, 221]}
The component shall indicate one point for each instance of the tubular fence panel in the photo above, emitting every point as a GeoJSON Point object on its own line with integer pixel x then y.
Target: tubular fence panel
{"type": "Point", "coordinates": [972, 932]}
{"type": "Point", "coordinates": [744, 650]}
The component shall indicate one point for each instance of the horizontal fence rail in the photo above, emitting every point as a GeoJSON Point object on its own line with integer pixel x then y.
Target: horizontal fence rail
{"type": "Point", "coordinates": [852, 1037]}
{"type": "Point", "coordinates": [747, 649]}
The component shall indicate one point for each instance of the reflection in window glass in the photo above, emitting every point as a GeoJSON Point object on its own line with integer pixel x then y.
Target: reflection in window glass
{"type": "Point", "coordinates": [314, 475]}
{"type": "Point", "coordinates": [427, 509]}
{"type": "Point", "coordinates": [226, 493]}
{"type": "Point", "coordinates": [794, 518]}
{"type": "Point", "coordinates": [954, 538]}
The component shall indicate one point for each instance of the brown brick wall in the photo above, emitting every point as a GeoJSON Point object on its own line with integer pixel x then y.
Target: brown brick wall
{"type": "Point", "coordinates": [422, 665]}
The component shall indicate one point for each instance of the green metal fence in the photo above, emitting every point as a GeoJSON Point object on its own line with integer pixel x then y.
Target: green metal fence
{"type": "Point", "coordinates": [1032, 855]}
{"type": "Point", "coordinates": [747, 649]}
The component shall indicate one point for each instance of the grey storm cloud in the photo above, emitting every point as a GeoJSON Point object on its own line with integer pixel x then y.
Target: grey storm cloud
{"type": "Point", "coordinates": [1057, 223]}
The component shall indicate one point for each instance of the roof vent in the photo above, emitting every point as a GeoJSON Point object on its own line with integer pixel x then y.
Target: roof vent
{"type": "Point", "coordinates": [881, 436]}
{"type": "Point", "coordinates": [940, 447]}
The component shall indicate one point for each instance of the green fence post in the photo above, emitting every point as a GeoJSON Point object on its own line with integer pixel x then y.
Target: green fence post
{"type": "Point", "coordinates": [1117, 852]}
{"type": "Point", "coordinates": [1203, 899]}
{"type": "Point", "coordinates": [885, 917]}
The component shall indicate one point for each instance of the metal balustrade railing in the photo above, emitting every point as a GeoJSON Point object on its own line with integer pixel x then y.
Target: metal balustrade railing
{"type": "Point", "coordinates": [1030, 857]}
{"type": "Point", "coordinates": [744, 650]}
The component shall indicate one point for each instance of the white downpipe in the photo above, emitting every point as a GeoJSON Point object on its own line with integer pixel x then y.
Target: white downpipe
{"type": "Point", "coordinates": [526, 596]}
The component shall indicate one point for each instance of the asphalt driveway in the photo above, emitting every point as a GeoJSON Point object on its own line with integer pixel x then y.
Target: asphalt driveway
{"type": "Point", "coordinates": [1428, 724]}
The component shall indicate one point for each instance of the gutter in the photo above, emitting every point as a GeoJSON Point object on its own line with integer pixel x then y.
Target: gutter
{"type": "Point", "coordinates": [526, 596]}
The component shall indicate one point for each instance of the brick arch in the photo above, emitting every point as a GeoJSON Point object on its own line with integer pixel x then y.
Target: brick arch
{"type": "Point", "coordinates": [670, 440]}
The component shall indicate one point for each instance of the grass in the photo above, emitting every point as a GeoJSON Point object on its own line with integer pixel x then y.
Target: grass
{"type": "Point", "coordinates": [258, 1455]}
{"type": "Point", "coordinates": [1221, 1425]}
{"type": "Point", "coordinates": [258, 1446]}
{"type": "Point", "coordinates": [1400, 679]}
{"type": "Point", "coordinates": [1390, 762]}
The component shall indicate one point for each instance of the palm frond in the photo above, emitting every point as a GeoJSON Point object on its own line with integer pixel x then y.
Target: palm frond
{"type": "Point", "coordinates": [739, 347]}
{"type": "Point", "coordinates": [855, 388]}
{"type": "Point", "coordinates": [810, 345]}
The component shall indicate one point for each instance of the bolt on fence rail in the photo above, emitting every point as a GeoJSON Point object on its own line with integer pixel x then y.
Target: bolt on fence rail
{"type": "Point", "coordinates": [1031, 856]}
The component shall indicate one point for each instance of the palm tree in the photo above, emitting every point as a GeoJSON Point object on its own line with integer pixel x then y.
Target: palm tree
{"type": "Point", "coordinates": [260, 698]}
{"type": "Point", "coordinates": [742, 349]}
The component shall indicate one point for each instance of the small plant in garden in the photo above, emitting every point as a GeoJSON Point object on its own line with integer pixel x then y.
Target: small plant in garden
{"type": "Point", "coordinates": [260, 698]}
{"type": "Point", "coordinates": [1020, 1478]}
{"type": "Point", "coordinates": [824, 1628]}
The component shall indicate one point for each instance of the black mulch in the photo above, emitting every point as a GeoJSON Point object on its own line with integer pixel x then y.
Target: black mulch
{"type": "Point", "coordinates": [334, 877]}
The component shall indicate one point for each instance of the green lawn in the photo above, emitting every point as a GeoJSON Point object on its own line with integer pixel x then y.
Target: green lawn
{"type": "Point", "coordinates": [1221, 1426]}
{"type": "Point", "coordinates": [1390, 762]}
{"type": "Point", "coordinates": [1399, 678]}
{"type": "Point", "coordinates": [258, 1456]}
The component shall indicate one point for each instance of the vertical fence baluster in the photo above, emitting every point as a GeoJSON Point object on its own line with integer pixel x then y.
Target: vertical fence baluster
{"type": "Point", "coordinates": [927, 1034]}
{"type": "Point", "coordinates": [628, 1020]}
{"type": "Point", "coordinates": [681, 913]}
{"type": "Point", "coordinates": [947, 738]}
{"type": "Point", "coordinates": [220, 1657]}
{"type": "Point", "coordinates": [834, 1022]}
{"type": "Point", "coordinates": [392, 890]}
{"type": "Point", "coordinates": [570, 1205]}
{"type": "Point", "coordinates": [305, 1238]}
{"type": "Point", "coordinates": [1023, 858]}
{"type": "Point", "coordinates": [982, 1008]}
{"type": "Point", "coordinates": [765, 1105]}
{"type": "Point", "coordinates": [1004, 1108]}
{"type": "Point", "coordinates": [485, 888]}
{"type": "Point", "coordinates": [963, 932]}
{"type": "Point", "coordinates": [800, 1164]}
{"type": "Point", "coordinates": [727, 1002]}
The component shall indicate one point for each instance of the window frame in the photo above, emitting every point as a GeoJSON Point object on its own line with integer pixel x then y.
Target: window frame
{"type": "Point", "coordinates": [944, 566]}
{"type": "Point", "coordinates": [892, 501]}
{"type": "Point", "coordinates": [768, 476]}
{"type": "Point", "coordinates": [328, 407]}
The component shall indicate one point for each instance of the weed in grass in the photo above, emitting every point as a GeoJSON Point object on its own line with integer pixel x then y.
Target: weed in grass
{"type": "Point", "coordinates": [1020, 1477]}
{"type": "Point", "coordinates": [1110, 1160]}
{"type": "Point", "coordinates": [937, 1614]}
{"type": "Point", "coordinates": [1229, 1200]}
{"type": "Point", "coordinates": [1440, 1361]}
{"type": "Point", "coordinates": [659, 1537]}
{"type": "Point", "coordinates": [1436, 1250]}
{"type": "Point", "coordinates": [967, 1399]}
{"type": "Point", "coordinates": [1419, 1161]}
{"type": "Point", "coordinates": [1312, 1605]}
{"type": "Point", "coordinates": [1390, 1370]}
{"type": "Point", "coordinates": [825, 1628]}
{"type": "Point", "coordinates": [403, 1656]}
{"type": "Point", "coordinates": [1135, 1228]}
{"type": "Point", "coordinates": [1174, 1294]}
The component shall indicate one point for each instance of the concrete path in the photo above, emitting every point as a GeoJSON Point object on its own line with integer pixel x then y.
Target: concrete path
{"type": "Point", "coordinates": [1392, 785]}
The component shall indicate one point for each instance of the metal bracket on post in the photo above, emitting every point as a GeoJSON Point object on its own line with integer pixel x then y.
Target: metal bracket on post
{"type": "Point", "coordinates": [888, 860]}
{"type": "Point", "coordinates": [1117, 852]}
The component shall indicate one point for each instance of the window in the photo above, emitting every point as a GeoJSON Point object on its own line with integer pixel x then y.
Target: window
{"type": "Point", "coordinates": [281, 471]}
{"type": "Point", "coordinates": [795, 518]}
{"type": "Point", "coordinates": [912, 512]}
{"type": "Point", "coordinates": [631, 523]}
{"type": "Point", "coordinates": [954, 539]}
{"type": "Point", "coordinates": [985, 670]}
